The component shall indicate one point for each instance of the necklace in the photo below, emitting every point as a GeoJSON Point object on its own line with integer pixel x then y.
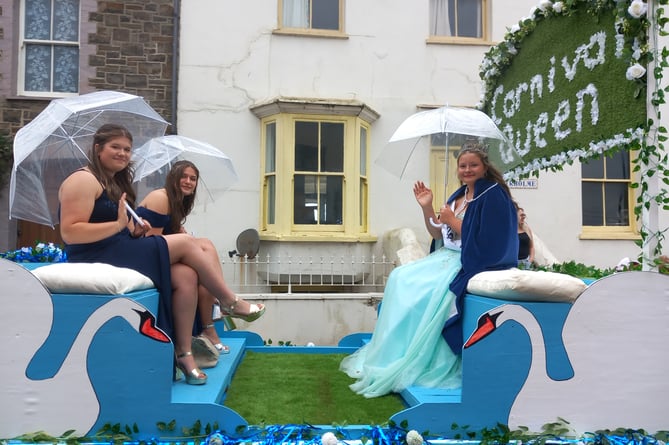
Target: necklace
{"type": "Point", "coordinates": [466, 201]}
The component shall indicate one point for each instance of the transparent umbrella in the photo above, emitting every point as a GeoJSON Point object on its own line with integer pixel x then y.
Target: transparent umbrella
{"type": "Point", "coordinates": [443, 126]}
{"type": "Point", "coordinates": [57, 141]}
{"type": "Point", "coordinates": [154, 159]}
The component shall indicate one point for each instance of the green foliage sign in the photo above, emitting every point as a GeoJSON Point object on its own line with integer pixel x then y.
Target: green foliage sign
{"type": "Point", "coordinates": [569, 82]}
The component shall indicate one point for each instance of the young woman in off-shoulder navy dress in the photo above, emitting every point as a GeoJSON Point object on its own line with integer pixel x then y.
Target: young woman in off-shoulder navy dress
{"type": "Point", "coordinates": [96, 227]}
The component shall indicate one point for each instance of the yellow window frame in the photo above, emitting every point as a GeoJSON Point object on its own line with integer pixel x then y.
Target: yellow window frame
{"type": "Point", "coordinates": [312, 32]}
{"type": "Point", "coordinates": [355, 203]}
{"type": "Point", "coordinates": [628, 232]}
{"type": "Point", "coordinates": [456, 40]}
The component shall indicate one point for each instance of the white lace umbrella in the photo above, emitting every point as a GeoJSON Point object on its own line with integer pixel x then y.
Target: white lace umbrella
{"type": "Point", "coordinates": [58, 140]}
{"type": "Point", "coordinates": [154, 159]}
{"type": "Point", "coordinates": [450, 124]}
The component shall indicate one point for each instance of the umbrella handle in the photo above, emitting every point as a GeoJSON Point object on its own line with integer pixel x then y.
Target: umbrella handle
{"type": "Point", "coordinates": [134, 215]}
{"type": "Point", "coordinates": [434, 224]}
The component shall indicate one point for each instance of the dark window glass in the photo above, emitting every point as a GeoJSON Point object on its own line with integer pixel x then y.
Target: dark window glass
{"type": "Point", "coordinates": [617, 205]}
{"type": "Point", "coordinates": [332, 147]}
{"type": "Point", "coordinates": [592, 204]}
{"type": "Point", "coordinates": [325, 14]}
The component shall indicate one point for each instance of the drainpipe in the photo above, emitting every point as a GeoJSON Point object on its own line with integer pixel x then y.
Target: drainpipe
{"type": "Point", "coordinates": [175, 64]}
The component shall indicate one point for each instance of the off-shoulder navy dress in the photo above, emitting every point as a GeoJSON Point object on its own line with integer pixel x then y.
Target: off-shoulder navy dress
{"type": "Point", "coordinates": [147, 255]}
{"type": "Point", "coordinates": [157, 220]}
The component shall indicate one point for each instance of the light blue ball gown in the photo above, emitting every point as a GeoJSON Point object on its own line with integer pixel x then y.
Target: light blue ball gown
{"type": "Point", "coordinates": [407, 347]}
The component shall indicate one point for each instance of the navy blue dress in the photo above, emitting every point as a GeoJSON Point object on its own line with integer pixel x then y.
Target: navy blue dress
{"type": "Point", "coordinates": [147, 255]}
{"type": "Point", "coordinates": [489, 242]}
{"type": "Point", "coordinates": [157, 220]}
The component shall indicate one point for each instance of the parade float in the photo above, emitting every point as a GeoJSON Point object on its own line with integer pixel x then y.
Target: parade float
{"type": "Point", "coordinates": [81, 352]}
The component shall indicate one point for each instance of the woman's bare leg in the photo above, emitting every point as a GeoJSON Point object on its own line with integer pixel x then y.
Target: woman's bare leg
{"type": "Point", "coordinates": [184, 307]}
{"type": "Point", "coordinates": [205, 303]}
{"type": "Point", "coordinates": [201, 256]}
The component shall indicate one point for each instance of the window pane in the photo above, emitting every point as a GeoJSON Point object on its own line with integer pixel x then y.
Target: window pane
{"type": "Point", "coordinates": [331, 194]}
{"type": "Point", "coordinates": [594, 168]}
{"type": "Point", "coordinates": [363, 202]}
{"type": "Point", "coordinates": [38, 20]}
{"type": "Point", "coordinates": [617, 207]}
{"type": "Point", "coordinates": [592, 204]}
{"type": "Point", "coordinates": [270, 147]}
{"type": "Point", "coordinates": [306, 146]}
{"type": "Point", "coordinates": [363, 151]}
{"type": "Point", "coordinates": [325, 14]}
{"type": "Point", "coordinates": [38, 68]}
{"type": "Point", "coordinates": [296, 13]}
{"type": "Point", "coordinates": [332, 147]}
{"type": "Point", "coordinates": [66, 69]}
{"type": "Point", "coordinates": [469, 18]}
{"type": "Point", "coordinates": [305, 200]}
{"type": "Point", "coordinates": [617, 166]}
{"type": "Point", "coordinates": [271, 199]}
{"type": "Point", "coordinates": [440, 22]}
{"type": "Point", "coordinates": [66, 20]}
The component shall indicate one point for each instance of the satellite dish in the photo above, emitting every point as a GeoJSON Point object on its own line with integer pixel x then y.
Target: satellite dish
{"type": "Point", "coordinates": [248, 243]}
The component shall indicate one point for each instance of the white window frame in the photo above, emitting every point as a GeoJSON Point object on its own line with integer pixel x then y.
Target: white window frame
{"type": "Point", "coordinates": [23, 43]}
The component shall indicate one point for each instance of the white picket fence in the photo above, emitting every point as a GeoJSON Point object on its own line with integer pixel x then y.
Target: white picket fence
{"type": "Point", "coordinates": [288, 274]}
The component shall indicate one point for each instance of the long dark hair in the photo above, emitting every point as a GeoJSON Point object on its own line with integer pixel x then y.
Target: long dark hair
{"type": "Point", "coordinates": [492, 173]}
{"type": "Point", "coordinates": [180, 204]}
{"type": "Point", "coordinates": [121, 182]}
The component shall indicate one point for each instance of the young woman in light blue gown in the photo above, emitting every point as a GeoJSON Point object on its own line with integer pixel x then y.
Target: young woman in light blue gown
{"type": "Point", "coordinates": [409, 344]}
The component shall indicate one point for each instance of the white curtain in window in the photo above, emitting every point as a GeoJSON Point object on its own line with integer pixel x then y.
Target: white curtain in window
{"type": "Point", "coordinates": [439, 23]}
{"type": "Point", "coordinates": [296, 13]}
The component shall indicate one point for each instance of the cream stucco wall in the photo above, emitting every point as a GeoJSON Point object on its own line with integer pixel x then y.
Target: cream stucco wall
{"type": "Point", "coordinates": [230, 60]}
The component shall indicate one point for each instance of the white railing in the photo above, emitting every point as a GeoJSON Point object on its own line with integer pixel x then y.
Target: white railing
{"type": "Point", "coordinates": [287, 274]}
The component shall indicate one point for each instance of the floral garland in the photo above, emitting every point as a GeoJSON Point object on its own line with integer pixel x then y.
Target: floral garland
{"type": "Point", "coordinates": [40, 253]}
{"type": "Point", "coordinates": [304, 434]}
{"type": "Point", "coordinates": [636, 27]}
{"type": "Point", "coordinates": [631, 26]}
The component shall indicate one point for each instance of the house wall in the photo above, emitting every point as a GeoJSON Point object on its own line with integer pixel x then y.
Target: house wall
{"type": "Point", "coordinates": [231, 60]}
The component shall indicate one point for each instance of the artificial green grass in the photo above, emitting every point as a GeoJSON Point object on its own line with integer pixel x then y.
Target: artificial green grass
{"type": "Point", "coordinates": [290, 388]}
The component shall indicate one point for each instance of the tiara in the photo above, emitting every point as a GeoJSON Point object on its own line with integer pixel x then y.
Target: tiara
{"type": "Point", "coordinates": [473, 146]}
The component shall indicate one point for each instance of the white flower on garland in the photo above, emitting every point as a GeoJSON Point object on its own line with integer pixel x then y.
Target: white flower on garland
{"type": "Point", "coordinates": [329, 439]}
{"type": "Point", "coordinates": [637, 9]}
{"type": "Point", "coordinates": [558, 7]}
{"type": "Point", "coordinates": [414, 438]}
{"type": "Point", "coordinates": [635, 71]}
{"type": "Point", "coordinates": [544, 5]}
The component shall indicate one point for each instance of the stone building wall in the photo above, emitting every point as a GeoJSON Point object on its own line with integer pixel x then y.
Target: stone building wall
{"type": "Point", "coordinates": [125, 46]}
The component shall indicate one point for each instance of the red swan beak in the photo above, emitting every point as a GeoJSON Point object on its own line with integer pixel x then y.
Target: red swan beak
{"type": "Point", "coordinates": [147, 326]}
{"type": "Point", "coordinates": [487, 324]}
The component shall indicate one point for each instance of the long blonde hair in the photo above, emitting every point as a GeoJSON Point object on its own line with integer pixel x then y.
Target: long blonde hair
{"type": "Point", "coordinates": [121, 182]}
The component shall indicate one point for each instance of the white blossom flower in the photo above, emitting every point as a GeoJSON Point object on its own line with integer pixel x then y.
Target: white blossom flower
{"type": "Point", "coordinates": [636, 71]}
{"type": "Point", "coordinates": [545, 5]}
{"type": "Point", "coordinates": [558, 7]}
{"type": "Point", "coordinates": [414, 438]}
{"type": "Point", "coordinates": [329, 439]}
{"type": "Point", "coordinates": [637, 9]}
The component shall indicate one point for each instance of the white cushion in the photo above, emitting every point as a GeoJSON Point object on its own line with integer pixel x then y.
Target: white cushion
{"type": "Point", "coordinates": [91, 278]}
{"type": "Point", "coordinates": [526, 285]}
